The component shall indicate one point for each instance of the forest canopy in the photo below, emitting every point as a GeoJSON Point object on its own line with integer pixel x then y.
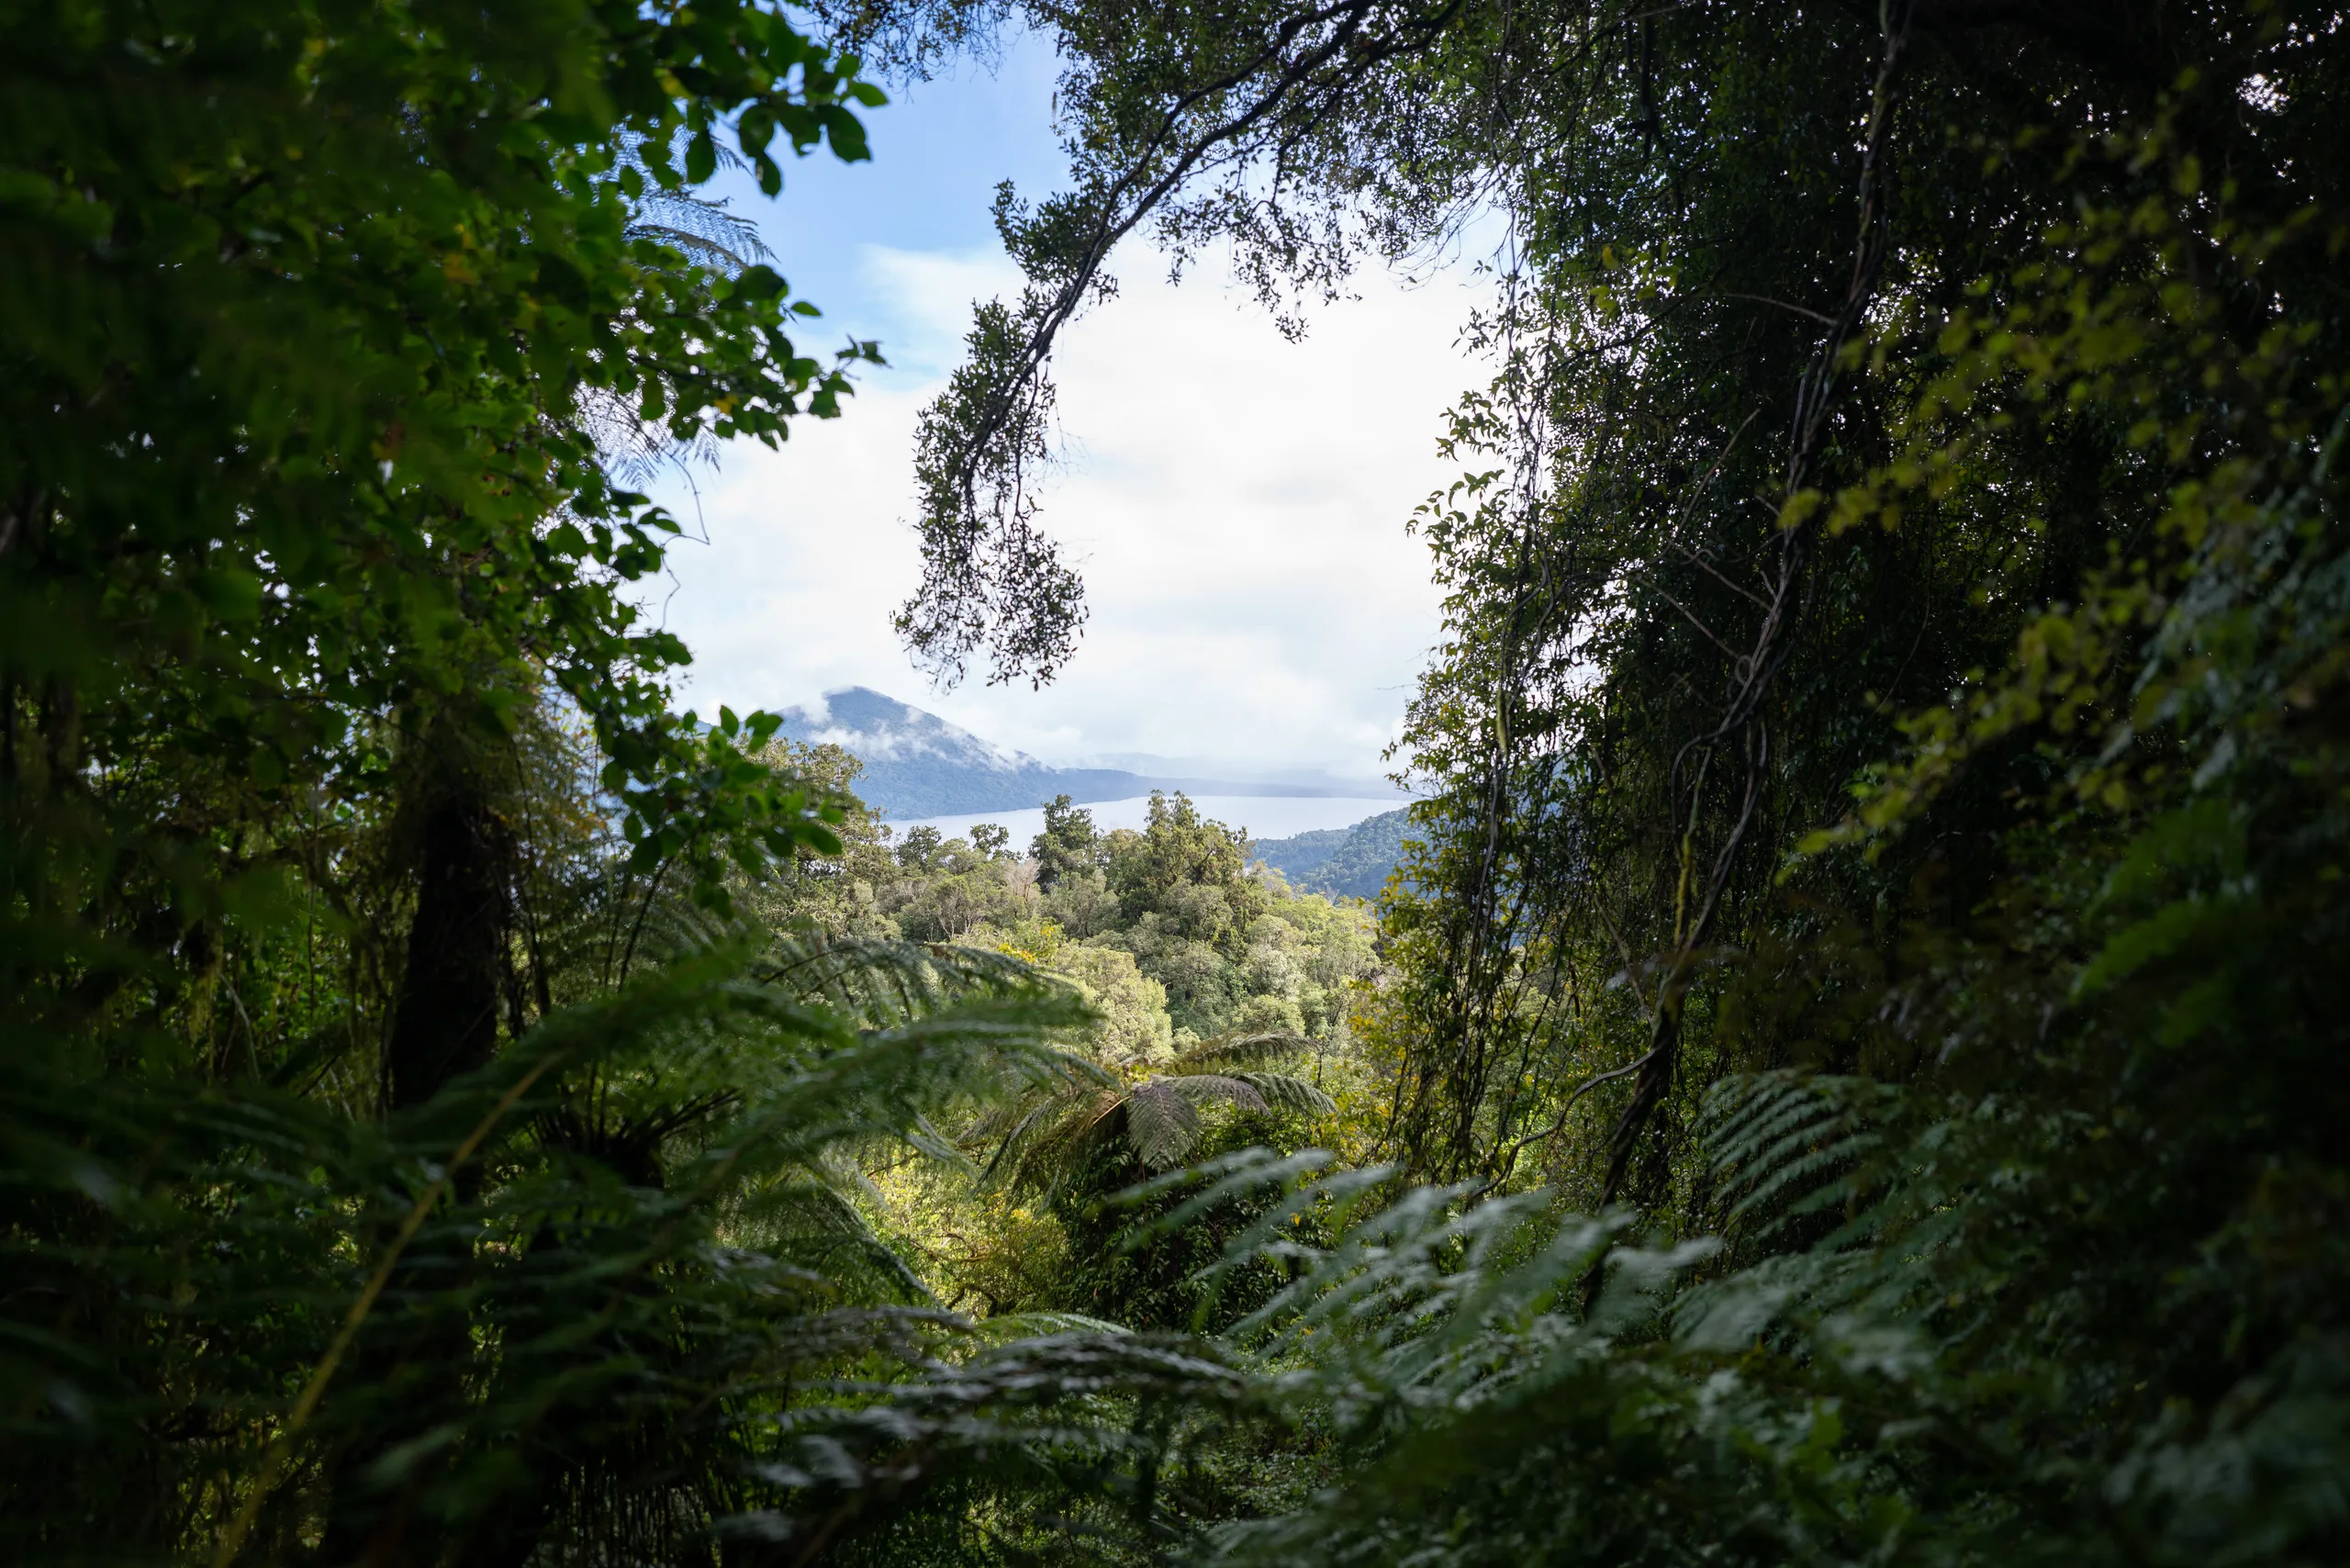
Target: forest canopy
{"type": "Point", "coordinates": [1842, 1073]}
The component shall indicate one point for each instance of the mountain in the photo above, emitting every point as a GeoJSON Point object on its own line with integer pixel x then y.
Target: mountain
{"type": "Point", "coordinates": [1354, 860]}
{"type": "Point", "coordinates": [917, 765]}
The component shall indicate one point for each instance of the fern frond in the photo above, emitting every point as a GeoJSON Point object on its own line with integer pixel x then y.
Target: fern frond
{"type": "Point", "coordinates": [1232, 1053]}
{"type": "Point", "coordinates": [1282, 1093]}
{"type": "Point", "coordinates": [1787, 1144]}
{"type": "Point", "coordinates": [1055, 1128]}
{"type": "Point", "coordinates": [881, 983]}
{"type": "Point", "coordinates": [1162, 1125]}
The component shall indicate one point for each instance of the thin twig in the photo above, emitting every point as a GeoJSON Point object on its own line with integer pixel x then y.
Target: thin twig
{"type": "Point", "coordinates": [1766, 299]}
{"type": "Point", "coordinates": [1560, 1120]}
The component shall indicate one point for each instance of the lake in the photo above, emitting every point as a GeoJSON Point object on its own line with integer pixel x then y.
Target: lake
{"type": "Point", "coordinates": [1264, 816]}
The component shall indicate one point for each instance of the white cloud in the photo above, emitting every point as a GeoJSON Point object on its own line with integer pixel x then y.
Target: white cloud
{"type": "Point", "coordinates": [1237, 504]}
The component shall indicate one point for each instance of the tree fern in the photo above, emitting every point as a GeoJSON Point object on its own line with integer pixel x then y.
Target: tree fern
{"type": "Point", "coordinates": [651, 1243]}
{"type": "Point", "coordinates": [1042, 1139]}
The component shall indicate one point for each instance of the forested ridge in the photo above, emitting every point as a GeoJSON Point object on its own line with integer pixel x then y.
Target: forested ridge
{"type": "Point", "coordinates": [1355, 861]}
{"type": "Point", "coordinates": [1850, 1067]}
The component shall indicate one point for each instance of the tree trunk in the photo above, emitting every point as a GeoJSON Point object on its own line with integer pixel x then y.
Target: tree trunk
{"type": "Point", "coordinates": [444, 1026]}
{"type": "Point", "coordinates": [446, 1023]}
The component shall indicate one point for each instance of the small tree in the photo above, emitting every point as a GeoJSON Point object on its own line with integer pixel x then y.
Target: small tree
{"type": "Point", "coordinates": [1069, 845]}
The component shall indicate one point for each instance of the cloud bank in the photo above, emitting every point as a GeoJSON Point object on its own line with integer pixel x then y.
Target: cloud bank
{"type": "Point", "coordinates": [1237, 504]}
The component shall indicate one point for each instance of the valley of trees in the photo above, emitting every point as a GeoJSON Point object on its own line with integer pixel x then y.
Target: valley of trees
{"type": "Point", "coordinates": [1221, 1004]}
{"type": "Point", "coordinates": [1840, 1078]}
{"type": "Point", "coordinates": [1212, 943]}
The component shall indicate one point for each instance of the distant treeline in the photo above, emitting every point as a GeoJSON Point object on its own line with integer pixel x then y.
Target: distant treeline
{"type": "Point", "coordinates": [1355, 861]}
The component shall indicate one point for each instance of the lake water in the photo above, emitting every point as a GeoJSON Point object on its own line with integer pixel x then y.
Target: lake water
{"type": "Point", "coordinates": [1263, 816]}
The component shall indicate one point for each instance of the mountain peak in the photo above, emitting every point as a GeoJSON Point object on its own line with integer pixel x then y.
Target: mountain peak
{"type": "Point", "coordinates": [878, 728]}
{"type": "Point", "coordinates": [917, 765]}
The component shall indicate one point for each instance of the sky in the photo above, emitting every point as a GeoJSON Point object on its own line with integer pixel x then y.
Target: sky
{"type": "Point", "coordinates": [1236, 503]}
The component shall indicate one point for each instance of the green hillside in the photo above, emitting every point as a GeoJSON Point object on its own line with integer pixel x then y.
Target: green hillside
{"type": "Point", "coordinates": [1354, 860]}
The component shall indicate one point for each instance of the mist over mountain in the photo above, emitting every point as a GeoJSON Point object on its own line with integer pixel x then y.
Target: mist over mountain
{"type": "Point", "coordinates": [919, 765]}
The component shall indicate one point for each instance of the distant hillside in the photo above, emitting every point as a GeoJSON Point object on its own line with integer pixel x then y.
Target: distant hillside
{"type": "Point", "coordinates": [917, 765]}
{"type": "Point", "coordinates": [1354, 860]}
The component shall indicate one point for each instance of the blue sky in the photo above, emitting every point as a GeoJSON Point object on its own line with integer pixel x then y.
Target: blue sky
{"type": "Point", "coordinates": [939, 148]}
{"type": "Point", "coordinates": [1237, 502]}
